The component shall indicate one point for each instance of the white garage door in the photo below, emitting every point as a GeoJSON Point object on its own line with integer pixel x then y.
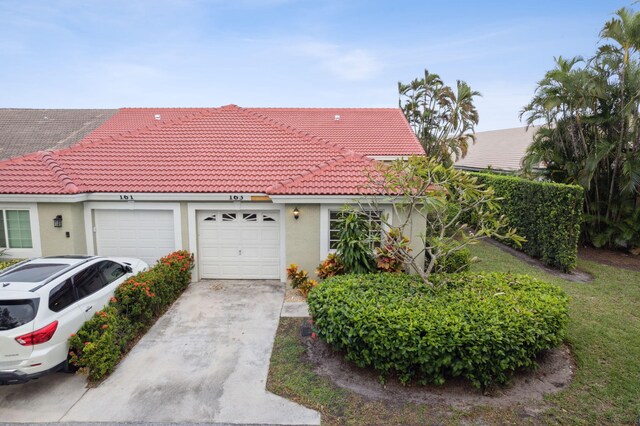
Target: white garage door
{"type": "Point", "coordinates": [145, 234]}
{"type": "Point", "coordinates": [239, 244]}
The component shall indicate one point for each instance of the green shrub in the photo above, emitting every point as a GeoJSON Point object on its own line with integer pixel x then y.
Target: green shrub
{"type": "Point", "coordinates": [548, 215]}
{"type": "Point", "coordinates": [100, 343]}
{"type": "Point", "coordinates": [5, 263]}
{"type": "Point", "coordinates": [479, 326]}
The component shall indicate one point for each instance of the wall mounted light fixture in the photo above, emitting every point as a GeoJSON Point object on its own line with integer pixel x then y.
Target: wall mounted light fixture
{"type": "Point", "coordinates": [57, 221]}
{"type": "Point", "coordinates": [296, 213]}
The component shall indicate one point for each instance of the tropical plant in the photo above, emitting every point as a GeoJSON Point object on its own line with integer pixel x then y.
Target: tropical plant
{"type": "Point", "coordinates": [330, 267]}
{"type": "Point", "coordinates": [423, 191]}
{"type": "Point", "coordinates": [590, 132]}
{"type": "Point", "coordinates": [355, 244]}
{"type": "Point", "coordinates": [443, 119]}
{"type": "Point", "coordinates": [390, 255]}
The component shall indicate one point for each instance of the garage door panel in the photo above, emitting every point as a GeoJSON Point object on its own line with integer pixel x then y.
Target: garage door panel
{"type": "Point", "coordinates": [145, 234]}
{"type": "Point", "coordinates": [244, 246]}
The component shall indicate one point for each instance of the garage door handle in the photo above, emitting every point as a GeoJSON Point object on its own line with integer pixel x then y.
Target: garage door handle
{"type": "Point", "coordinates": [240, 252]}
{"type": "Point", "coordinates": [88, 308]}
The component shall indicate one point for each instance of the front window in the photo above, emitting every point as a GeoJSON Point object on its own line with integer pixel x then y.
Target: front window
{"type": "Point", "coordinates": [375, 227]}
{"type": "Point", "coordinates": [15, 229]}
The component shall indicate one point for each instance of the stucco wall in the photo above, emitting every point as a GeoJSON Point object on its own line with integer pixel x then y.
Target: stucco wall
{"type": "Point", "coordinates": [303, 237]}
{"type": "Point", "coordinates": [415, 230]}
{"type": "Point", "coordinates": [184, 218]}
{"type": "Point", "coordinates": [54, 240]}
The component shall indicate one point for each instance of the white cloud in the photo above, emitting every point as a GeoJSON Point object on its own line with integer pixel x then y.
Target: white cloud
{"type": "Point", "coordinates": [346, 63]}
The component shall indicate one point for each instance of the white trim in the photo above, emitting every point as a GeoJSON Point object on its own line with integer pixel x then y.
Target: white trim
{"type": "Point", "coordinates": [180, 196]}
{"type": "Point", "coordinates": [137, 196]}
{"type": "Point", "coordinates": [34, 222]}
{"type": "Point", "coordinates": [324, 225]}
{"type": "Point", "coordinates": [42, 198]}
{"type": "Point", "coordinates": [192, 221]}
{"type": "Point", "coordinates": [318, 199]}
{"type": "Point", "coordinates": [130, 205]}
{"type": "Point", "coordinates": [388, 157]}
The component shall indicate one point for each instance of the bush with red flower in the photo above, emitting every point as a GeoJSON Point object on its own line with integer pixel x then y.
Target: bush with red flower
{"type": "Point", "coordinates": [100, 343]}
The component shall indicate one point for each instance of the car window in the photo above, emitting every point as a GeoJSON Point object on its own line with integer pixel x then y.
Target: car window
{"type": "Point", "coordinates": [111, 271]}
{"type": "Point", "coordinates": [88, 281]}
{"type": "Point", "coordinates": [62, 296]}
{"type": "Point", "coordinates": [14, 313]}
{"type": "Point", "coordinates": [32, 273]}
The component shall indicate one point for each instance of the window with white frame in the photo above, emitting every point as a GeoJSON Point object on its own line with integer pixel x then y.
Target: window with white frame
{"type": "Point", "coordinates": [15, 229]}
{"type": "Point", "coordinates": [375, 227]}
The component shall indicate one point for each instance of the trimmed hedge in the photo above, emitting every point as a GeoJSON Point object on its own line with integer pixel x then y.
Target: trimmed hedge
{"type": "Point", "coordinates": [480, 326]}
{"type": "Point", "coordinates": [548, 215]}
{"type": "Point", "coordinates": [102, 341]}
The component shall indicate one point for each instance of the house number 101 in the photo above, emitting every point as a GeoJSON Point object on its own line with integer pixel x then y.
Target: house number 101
{"type": "Point", "coordinates": [126, 197]}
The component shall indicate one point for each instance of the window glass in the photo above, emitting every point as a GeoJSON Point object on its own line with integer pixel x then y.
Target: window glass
{"type": "Point", "coordinates": [111, 271]}
{"type": "Point", "coordinates": [33, 273]}
{"type": "Point", "coordinates": [375, 227]}
{"type": "Point", "coordinates": [228, 217]}
{"type": "Point", "coordinates": [88, 281]}
{"type": "Point", "coordinates": [3, 239]}
{"type": "Point", "coordinates": [18, 229]}
{"type": "Point", "coordinates": [62, 296]}
{"type": "Point", "coordinates": [250, 217]}
{"type": "Point", "coordinates": [14, 313]}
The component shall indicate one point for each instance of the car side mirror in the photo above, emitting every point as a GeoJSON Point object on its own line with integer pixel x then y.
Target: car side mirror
{"type": "Point", "coordinates": [128, 268]}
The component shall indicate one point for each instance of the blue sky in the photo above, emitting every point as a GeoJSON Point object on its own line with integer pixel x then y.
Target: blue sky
{"type": "Point", "coordinates": [295, 53]}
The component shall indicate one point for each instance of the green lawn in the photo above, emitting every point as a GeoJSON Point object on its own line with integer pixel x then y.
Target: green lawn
{"type": "Point", "coordinates": [604, 334]}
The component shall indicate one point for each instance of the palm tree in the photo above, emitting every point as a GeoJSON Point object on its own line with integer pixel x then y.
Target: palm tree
{"type": "Point", "coordinates": [444, 120]}
{"type": "Point", "coordinates": [591, 131]}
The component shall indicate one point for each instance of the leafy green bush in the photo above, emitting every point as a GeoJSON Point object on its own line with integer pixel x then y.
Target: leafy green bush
{"type": "Point", "coordinates": [97, 347]}
{"type": "Point", "coordinates": [480, 326]}
{"type": "Point", "coordinates": [548, 215]}
{"type": "Point", "coordinates": [100, 343]}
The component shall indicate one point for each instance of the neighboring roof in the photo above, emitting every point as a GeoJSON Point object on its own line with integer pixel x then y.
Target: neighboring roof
{"type": "Point", "coordinates": [209, 150]}
{"type": "Point", "coordinates": [23, 131]}
{"type": "Point", "coordinates": [498, 149]}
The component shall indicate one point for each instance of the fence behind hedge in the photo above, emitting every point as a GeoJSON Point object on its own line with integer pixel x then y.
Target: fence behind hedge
{"type": "Point", "coordinates": [548, 215]}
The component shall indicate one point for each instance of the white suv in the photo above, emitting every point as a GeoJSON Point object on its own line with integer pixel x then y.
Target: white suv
{"type": "Point", "coordinates": [43, 301]}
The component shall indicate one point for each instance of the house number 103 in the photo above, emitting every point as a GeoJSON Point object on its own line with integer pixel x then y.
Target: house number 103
{"type": "Point", "coordinates": [236, 197]}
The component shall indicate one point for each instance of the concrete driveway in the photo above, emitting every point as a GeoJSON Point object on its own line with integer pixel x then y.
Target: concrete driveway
{"type": "Point", "coordinates": [205, 360]}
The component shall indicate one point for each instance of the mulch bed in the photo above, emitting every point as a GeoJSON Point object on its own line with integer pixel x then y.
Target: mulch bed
{"type": "Point", "coordinates": [556, 371]}
{"type": "Point", "coordinates": [616, 258]}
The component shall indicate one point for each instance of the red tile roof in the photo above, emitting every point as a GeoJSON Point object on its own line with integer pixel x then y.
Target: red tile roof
{"type": "Point", "coordinates": [209, 150]}
{"type": "Point", "coordinates": [371, 131]}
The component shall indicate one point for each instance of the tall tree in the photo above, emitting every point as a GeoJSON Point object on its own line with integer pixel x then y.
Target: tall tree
{"type": "Point", "coordinates": [443, 119]}
{"type": "Point", "coordinates": [591, 133]}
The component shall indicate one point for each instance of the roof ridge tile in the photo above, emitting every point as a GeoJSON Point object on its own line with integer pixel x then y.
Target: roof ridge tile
{"type": "Point", "coordinates": [47, 158]}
